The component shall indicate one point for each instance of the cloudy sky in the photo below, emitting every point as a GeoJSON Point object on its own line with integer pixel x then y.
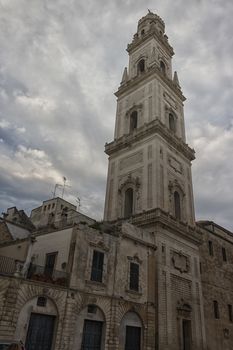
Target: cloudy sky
{"type": "Point", "coordinates": [60, 63]}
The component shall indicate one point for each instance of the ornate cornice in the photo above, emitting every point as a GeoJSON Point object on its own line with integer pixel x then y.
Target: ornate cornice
{"type": "Point", "coordinates": [134, 82]}
{"type": "Point", "coordinates": [167, 221]}
{"type": "Point", "coordinates": [154, 127]}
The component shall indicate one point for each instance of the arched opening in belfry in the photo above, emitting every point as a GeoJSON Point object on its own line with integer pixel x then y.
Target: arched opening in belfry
{"type": "Point", "coordinates": [128, 209]}
{"type": "Point", "coordinates": [172, 123]}
{"type": "Point", "coordinates": [163, 67]}
{"type": "Point", "coordinates": [141, 66]}
{"type": "Point", "coordinates": [177, 205]}
{"type": "Point", "coordinates": [133, 121]}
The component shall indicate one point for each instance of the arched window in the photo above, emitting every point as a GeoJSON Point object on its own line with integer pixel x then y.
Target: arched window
{"type": "Point", "coordinates": [172, 123]}
{"type": "Point", "coordinates": [128, 202]}
{"type": "Point", "coordinates": [177, 205]}
{"type": "Point", "coordinates": [141, 66]}
{"type": "Point", "coordinates": [133, 121]}
{"type": "Point", "coordinates": [162, 67]}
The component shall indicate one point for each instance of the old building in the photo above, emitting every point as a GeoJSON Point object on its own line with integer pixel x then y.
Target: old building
{"type": "Point", "coordinates": [149, 276]}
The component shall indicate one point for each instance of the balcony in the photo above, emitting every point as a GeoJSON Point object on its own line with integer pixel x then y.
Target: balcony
{"type": "Point", "coordinates": [12, 267]}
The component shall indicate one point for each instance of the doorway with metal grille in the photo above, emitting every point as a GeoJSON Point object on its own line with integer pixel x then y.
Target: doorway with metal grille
{"type": "Point", "coordinates": [40, 332]}
{"type": "Point", "coordinates": [92, 335]}
{"type": "Point", "coordinates": [133, 338]}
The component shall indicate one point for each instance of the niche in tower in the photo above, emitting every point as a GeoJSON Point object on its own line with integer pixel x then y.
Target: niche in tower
{"type": "Point", "coordinates": [163, 67]}
{"type": "Point", "coordinates": [177, 206]}
{"type": "Point", "coordinates": [133, 121]}
{"type": "Point", "coordinates": [172, 122]}
{"type": "Point", "coordinates": [141, 66]}
{"type": "Point", "coordinates": [129, 200]}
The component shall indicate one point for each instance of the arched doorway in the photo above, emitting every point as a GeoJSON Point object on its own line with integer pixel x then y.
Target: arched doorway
{"type": "Point", "coordinates": [90, 329]}
{"type": "Point", "coordinates": [131, 332]}
{"type": "Point", "coordinates": [36, 325]}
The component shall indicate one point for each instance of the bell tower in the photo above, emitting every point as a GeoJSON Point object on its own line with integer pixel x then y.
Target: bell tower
{"type": "Point", "coordinates": [149, 160]}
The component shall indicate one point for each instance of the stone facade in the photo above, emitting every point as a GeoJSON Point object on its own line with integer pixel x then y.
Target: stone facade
{"type": "Point", "coordinates": [148, 277]}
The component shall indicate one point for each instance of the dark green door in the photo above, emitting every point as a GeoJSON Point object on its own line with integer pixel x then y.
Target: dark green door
{"type": "Point", "coordinates": [40, 332]}
{"type": "Point", "coordinates": [92, 335]}
{"type": "Point", "coordinates": [133, 338]}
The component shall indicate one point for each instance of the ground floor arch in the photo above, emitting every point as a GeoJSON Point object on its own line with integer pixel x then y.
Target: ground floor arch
{"type": "Point", "coordinates": [37, 323]}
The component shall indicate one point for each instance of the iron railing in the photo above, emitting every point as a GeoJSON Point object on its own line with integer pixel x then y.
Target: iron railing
{"type": "Point", "coordinates": [10, 267]}
{"type": "Point", "coordinates": [48, 275]}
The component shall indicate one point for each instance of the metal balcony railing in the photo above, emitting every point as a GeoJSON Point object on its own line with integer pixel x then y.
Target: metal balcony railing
{"type": "Point", "coordinates": [11, 267]}
{"type": "Point", "coordinates": [48, 275]}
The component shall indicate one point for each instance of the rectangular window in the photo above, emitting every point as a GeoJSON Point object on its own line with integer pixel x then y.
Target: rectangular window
{"type": "Point", "coordinates": [216, 309]}
{"type": "Point", "coordinates": [97, 266]}
{"type": "Point", "coordinates": [224, 254]}
{"type": "Point", "coordinates": [200, 268]}
{"type": "Point", "coordinates": [50, 263]}
{"type": "Point", "coordinates": [211, 251]}
{"type": "Point", "coordinates": [230, 313]}
{"type": "Point", "coordinates": [134, 277]}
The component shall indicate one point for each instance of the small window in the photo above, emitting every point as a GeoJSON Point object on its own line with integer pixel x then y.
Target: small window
{"type": "Point", "coordinates": [177, 205]}
{"type": "Point", "coordinates": [134, 277]}
{"type": "Point", "coordinates": [142, 32]}
{"type": "Point", "coordinates": [211, 250]}
{"type": "Point", "coordinates": [162, 67]}
{"type": "Point", "coordinates": [41, 301]}
{"type": "Point", "coordinates": [128, 202]}
{"type": "Point", "coordinates": [224, 254]}
{"type": "Point", "coordinates": [92, 309]}
{"type": "Point", "coordinates": [53, 205]}
{"type": "Point", "coordinates": [97, 266]}
{"type": "Point", "coordinates": [200, 268]}
{"type": "Point", "coordinates": [45, 208]}
{"type": "Point", "coordinates": [49, 207]}
{"type": "Point", "coordinates": [230, 313]}
{"type": "Point", "coordinates": [216, 309]}
{"type": "Point", "coordinates": [172, 123]}
{"type": "Point", "coordinates": [133, 121]}
{"type": "Point", "coordinates": [141, 66]}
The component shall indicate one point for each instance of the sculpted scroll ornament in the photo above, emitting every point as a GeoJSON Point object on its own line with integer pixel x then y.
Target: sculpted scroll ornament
{"type": "Point", "coordinates": [180, 262]}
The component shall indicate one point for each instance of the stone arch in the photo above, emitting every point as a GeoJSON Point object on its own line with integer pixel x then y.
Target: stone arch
{"type": "Point", "coordinates": [141, 64]}
{"type": "Point", "coordinates": [90, 315]}
{"type": "Point", "coordinates": [131, 329]}
{"type": "Point", "coordinates": [177, 200]}
{"type": "Point", "coordinates": [133, 118]}
{"type": "Point", "coordinates": [171, 119]}
{"type": "Point", "coordinates": [131, 184]}
{"type": "Point", "coordinates": [32, 307]}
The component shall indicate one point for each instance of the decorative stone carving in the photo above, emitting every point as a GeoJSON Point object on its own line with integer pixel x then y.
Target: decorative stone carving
{"type": "Point", "coordinates": [226, 333]}
{"type": "Point", "coordinates": [180, 262]}
{"type": "Point", "coordinates": [175, 164]}
{"type": "Point", "coordinates": [170, 100]}
{"type": "Point", "coordinates": [131, 160]}
{"type": "Point", "coordinates": [184, 309]}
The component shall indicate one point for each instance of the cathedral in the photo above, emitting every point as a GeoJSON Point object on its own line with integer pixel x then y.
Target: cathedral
{"type": "Point", "coordinates": [149, 277]}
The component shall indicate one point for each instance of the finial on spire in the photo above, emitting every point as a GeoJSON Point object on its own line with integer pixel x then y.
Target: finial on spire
{"type": "Point", "coordinates": [124, 76]}
{"type": "Point", "coordinates": [149, 11]}
{"type": "Point", "coordinates": [176, 80]}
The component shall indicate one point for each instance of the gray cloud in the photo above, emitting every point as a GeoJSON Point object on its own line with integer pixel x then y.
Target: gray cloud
{"type": "Point", "coordinates": [60, 64]}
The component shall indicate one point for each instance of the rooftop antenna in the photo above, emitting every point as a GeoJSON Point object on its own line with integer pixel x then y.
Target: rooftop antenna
{"type": "Point", "coordinates": [64, 185]}
{"type": "Point", "coordinates": [55, 188]}
{"type": "Point", "coordinates": [78, 200]}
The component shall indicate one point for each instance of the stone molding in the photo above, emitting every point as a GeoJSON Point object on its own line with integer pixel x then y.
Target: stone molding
{"type": "Point", "coordinates": [151, 128]}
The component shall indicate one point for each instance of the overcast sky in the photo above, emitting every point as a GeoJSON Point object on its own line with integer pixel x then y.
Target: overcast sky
{"type": "Point", "coordinates": [60, 63]}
